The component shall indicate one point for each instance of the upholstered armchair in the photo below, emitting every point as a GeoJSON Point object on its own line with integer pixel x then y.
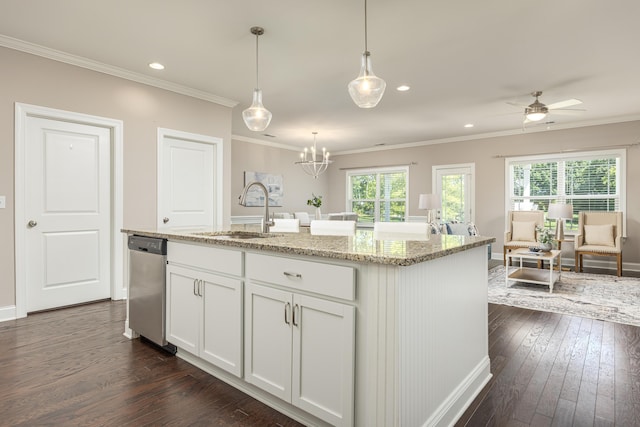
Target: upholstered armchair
{"type": "Point", "coordinates": [521, 230]}
{"type": "Point", "coordinates": [600, 234]}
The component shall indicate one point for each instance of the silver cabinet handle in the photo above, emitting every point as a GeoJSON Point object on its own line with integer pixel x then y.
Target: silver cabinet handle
{"type": "Point", "coordinates": [32, 223]}
{"type": "Point", "coordinates": [200, 283]}
{"type": "Point", "coordinates": [165, 220]}
{"type": "Point", "coordinates": [295, 308]}
{"type": "Point", "coordinates": [287, 307]}
{"type": "Point", "coordinates": [194, 287]}
{"type": "Point", "coordinates": [293, 275]}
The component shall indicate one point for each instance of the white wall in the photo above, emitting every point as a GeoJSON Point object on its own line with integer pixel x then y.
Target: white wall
{"type": "Point", "coordinates": [297, 185]}
{"type": "Point", "coordinates": [34, 80]}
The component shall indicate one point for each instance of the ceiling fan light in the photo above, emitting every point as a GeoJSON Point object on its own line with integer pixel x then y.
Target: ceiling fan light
{"type": "Point", "coordinates": [536, 116]}
{"type": "Point", "coordinates": [367, 89]}
{"type": "Point", "coordinates": [256, 117]}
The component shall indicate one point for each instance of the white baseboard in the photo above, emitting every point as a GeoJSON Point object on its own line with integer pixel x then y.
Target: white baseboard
{"type": "Point", "coordinates": [461, 398]}
{"type": "Point", "coordinates": [7, 313]}
{"type": "Point", "coordinates": [128, 332]}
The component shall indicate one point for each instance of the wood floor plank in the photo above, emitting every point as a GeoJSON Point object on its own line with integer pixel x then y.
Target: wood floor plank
{"type": "Point", "coordinates": [548, 350]}
{"type": "Point", "coordinates": [552, 389]}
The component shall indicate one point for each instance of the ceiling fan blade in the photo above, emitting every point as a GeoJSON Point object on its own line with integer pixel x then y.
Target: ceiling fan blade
{"type": "Point", "coordinates": [564, 104]}
{"type": "Point", "coordinates": [562, 112]}
{"type": "Point", "coordinates": [516, 104]}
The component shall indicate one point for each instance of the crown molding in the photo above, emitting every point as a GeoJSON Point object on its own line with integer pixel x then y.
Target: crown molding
{"type": "Point", "coordinates": [556, 127]}
{"type": "Point", "coordinates": [79, 61]}
{"type": "Point", "coordinates": [267, 143]}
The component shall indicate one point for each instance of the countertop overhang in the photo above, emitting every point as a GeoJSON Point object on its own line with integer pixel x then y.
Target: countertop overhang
{"type": "Point", "coordinates": [361, 247]}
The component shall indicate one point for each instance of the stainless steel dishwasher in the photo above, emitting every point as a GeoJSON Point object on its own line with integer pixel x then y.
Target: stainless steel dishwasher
{"type": "Point", "coordinates": [147, 296]}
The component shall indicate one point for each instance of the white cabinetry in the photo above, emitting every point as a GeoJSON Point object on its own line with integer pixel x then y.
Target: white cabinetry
{"type": "Point", "coordinates": [204, 310]}
{"type": "Point", "coordinates": [298, 347]}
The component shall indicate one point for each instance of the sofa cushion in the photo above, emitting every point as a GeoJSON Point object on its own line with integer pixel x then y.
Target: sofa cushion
{"type": "Point", "coordinates": [459, 229]}
{"type": "Point", "coordinates": [523, 231]}
{"type": "Point", "coordinates": [599, 235]}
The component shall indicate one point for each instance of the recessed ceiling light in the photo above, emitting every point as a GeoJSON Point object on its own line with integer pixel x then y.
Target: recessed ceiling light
{"type": "Point", "coordinates": [156, 66]}
{"type": "Point", "coordinates": [469, 125]}
{"type": "Point", "coordinates": [403, 88]}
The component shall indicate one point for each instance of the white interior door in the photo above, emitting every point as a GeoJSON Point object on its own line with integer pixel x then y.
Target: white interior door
{"type": "Point", "coordinates": [67, 206]}
{"type": "Point", "coordinates": [186, 183]}
{"type": "Point", "coordinates": [454, 184]}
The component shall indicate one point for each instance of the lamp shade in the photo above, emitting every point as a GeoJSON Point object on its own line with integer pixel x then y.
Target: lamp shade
{"type": "Point", "coordinates": [429, 201]}
{"type": "Point", "coordinates": [560, 210]}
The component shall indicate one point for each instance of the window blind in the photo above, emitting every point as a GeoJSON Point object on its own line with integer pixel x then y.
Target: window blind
{"type": "Point", "coordinates": [590, 181]}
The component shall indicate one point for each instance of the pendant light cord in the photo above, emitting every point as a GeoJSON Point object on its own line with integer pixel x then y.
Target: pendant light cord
{"type": "Point", "coordinates": [366, 49]}
{"type": "Point", "coordinates": [257, 85]}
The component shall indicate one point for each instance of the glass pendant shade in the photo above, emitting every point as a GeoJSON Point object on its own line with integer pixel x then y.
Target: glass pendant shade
{"type": "Point", "coordinates": [367, 89]}
{"type": "Point", "coordinates": [256, 117]}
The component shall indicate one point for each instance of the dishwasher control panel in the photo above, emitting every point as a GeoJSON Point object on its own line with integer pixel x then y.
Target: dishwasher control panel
{"type": "Point", "coordinates": [148, 244]}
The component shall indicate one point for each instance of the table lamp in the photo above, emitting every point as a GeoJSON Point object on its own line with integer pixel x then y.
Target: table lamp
{"type": "Point", "coordinates": [430, 203]}
{"type": "Point", "coordinates": [560, 211]}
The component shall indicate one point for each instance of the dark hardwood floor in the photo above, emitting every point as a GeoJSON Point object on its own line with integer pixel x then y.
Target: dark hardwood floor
{"type": "Point", "coordinates": [73, 367]}
{"type": "Point", "coordinates": [557, 370]}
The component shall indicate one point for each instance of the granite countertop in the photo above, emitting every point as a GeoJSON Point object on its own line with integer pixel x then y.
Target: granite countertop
{"type": "Point", "coordinates": [359, 248]}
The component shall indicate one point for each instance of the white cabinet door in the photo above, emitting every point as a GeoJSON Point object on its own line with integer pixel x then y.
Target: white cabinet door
{"type": "Point", "coordinates": [267, 359]}
{"type": "Point", "coordinates": [204, 316]}
{"type": "Point", "coordinates": [222, 322]}
{"type": "Point", "coordinates": [301, 349]}
{"type": "Point", "coordinates": [323, 359]}
{"type": "Point", "coordinates": [184, 306]}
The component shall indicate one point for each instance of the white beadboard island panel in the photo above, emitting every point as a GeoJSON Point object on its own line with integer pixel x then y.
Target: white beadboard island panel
{"type": "Point", "coordinates": [422, 343]}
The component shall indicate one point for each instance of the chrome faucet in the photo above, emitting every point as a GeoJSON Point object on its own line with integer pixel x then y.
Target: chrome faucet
{"type": "Point", "coordinates": [266, 222]}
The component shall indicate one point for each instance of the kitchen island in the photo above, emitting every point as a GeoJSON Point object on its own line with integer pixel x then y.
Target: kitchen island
{"type": "Point", "coordinates": [337, 330]}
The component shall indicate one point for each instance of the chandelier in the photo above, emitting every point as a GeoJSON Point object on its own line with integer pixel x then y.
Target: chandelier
{"type": "Point", "coordinates": [312, 162]}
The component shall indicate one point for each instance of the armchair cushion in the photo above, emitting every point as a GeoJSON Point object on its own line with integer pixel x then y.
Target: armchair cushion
{"type": "Point", "coordinates": [524, 231]}
{"type": "Point", "coordinates": [599, 235]}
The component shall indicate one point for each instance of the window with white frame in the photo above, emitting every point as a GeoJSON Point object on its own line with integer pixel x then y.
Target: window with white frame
{"type": "Point", "coordinates": [378, 194]}
{"type": "Point", "coordinates": [590, 181]}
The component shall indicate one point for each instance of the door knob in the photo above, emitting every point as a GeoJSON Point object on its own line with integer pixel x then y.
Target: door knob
{"type": "Point", "coordinates": [32, 223]}
{"type": "Point", "coordinates": [165, 220]}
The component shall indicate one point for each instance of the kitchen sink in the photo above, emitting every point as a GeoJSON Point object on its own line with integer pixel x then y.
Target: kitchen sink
{"type": "Point", "coordinates": [235, 235]}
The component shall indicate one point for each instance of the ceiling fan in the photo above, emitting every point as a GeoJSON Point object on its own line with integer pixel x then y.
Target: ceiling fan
{"type": "Point", "coordinates": [537, 110]}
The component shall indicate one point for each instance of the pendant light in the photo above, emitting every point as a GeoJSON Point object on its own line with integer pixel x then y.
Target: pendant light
{"type": "Point", "coordinates": [367, 89]}
{"type": "Point", "coordinates": [311, 163]}
{"type": "Point", "coordinates": [256, 117]}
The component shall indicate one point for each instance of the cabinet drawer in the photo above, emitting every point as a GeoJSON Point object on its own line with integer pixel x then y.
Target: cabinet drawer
{"type": "Point", "coordinates": [324, 279]}
{"type": "Point", "coordinates": [205, 257]}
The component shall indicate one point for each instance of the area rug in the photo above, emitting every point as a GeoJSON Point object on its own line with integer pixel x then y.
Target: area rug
{"type": "Point", "coordinates": [596, 296]}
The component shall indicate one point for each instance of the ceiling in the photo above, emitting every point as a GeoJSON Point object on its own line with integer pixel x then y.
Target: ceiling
{"type": "Point", "coordinates": [464, 60]}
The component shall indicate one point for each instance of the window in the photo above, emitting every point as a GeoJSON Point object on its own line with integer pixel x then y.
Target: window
{"type": "Point", "coordinates": [378, 194]}
{"type": "Point", "coordinates": [590, 181]}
